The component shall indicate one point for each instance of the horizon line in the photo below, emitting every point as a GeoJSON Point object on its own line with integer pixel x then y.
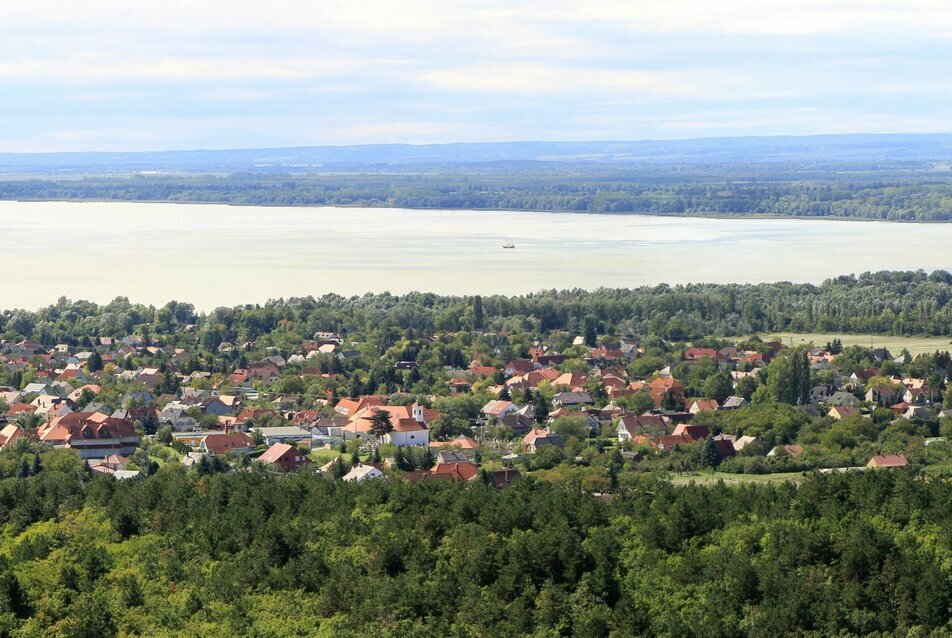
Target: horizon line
{"type": "Point", "coordinates": [482, 143]}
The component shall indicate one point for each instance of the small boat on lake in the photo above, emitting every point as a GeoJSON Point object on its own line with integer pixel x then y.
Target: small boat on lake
{"type": "Point", "coordinates": [509, 244]}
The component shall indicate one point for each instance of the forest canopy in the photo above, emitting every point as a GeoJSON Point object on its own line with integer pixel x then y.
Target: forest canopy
{"type": "Point", "coordinates": [688, 191]}
{"type": "Point", "coordinates": [244, 554]}
{"type": "Point", "coordinates": [894, 303]}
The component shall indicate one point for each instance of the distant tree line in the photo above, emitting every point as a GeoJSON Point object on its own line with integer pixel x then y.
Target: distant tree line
{"type": "Point", "coordinates": [818, 194]}
{"type": "Point", "coordinates": [895, 303]}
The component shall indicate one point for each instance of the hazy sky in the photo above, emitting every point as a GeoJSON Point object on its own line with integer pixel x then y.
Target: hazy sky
{"type": "Point", "coordinates": [163, 74]}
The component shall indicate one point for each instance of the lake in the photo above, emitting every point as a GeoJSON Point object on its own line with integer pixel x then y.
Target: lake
{"type": "Point", "coordinates": [214, 255]}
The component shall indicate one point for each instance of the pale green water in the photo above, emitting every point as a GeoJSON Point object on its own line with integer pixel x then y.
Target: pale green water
{"type": "Point", "coordinates": [225, 255]}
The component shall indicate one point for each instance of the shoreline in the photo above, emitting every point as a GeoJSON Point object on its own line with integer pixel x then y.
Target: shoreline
{"type": "Point", "coordinates": [724, 216]}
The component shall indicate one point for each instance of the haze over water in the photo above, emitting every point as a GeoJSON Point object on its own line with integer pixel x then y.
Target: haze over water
{"type": "Point", "coordinates": [213, 255]}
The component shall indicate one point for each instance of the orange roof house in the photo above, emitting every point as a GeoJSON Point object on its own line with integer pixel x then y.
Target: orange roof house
{"type": "Point", "coordinates": [887, 460]}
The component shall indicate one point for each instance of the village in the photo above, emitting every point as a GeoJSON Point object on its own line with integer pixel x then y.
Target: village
{"type": "Point", "coordinates": [600, 404]}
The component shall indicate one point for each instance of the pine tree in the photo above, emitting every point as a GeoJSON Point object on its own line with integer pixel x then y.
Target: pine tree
{"type": "Point", "coordinates": [338, 470]}
{"type": "Point", "coordinates": [541, 408]}
{"type": "Point", "coordinates": [94, 363]}
{"type": "Point", "coordinates": [591, 333]}
{"type": "Point", "coordinates": [477, 312]}
{"type": "Point", "coordinates": [380, 424]}
{"type": "Point", "coordinates": [709, 456]}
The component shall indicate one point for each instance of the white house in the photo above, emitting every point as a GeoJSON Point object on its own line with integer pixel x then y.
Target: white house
{"type": "Point", "coordinates": [497, 409]}
{"type": "Point", "coordinates": [177, 415]}
{"type": "Point", "coordinates": [362, 472]}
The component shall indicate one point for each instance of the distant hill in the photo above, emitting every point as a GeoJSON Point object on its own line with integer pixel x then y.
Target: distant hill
{"type": "Point", "coordinates": [865, 149]}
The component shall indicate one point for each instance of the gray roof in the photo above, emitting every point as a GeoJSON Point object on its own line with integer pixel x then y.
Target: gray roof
{"type": "Point", "coordinates": [573, 398]}
{"type": "Point", "coordinates": [734, 402]}
{"type": "Point", "coordinates": [289, 430]}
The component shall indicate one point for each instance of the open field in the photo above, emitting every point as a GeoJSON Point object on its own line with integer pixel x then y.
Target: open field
{"type": "Point", "coordinates": [712, 477]}
{"type": "Point", "coordinates": [915, 345]}
{"type": "Point", "coordinates": [324, 455]}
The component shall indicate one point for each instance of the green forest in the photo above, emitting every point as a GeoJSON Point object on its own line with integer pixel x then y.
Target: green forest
{"type": "Point", "coordinates": [895, 303]}
{"type": "Point", "coordinates": [713, 192]}
{"type": "Point", "coordinates": [247, 554]}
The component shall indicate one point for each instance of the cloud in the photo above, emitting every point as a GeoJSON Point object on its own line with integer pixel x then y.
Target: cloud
{"type": "Point", "coordinates": [186, 73]}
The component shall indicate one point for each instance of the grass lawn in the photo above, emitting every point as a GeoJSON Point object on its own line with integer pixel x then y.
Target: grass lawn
{"type": "Point", "coordinates": [324, 456]}
{"type": "Point", "coordinates": [733, 479]}
{"type": "Point", "coordinates": [915, 345]}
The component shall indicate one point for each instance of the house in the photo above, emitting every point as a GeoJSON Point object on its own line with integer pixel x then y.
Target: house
{"type": "Point", "coordinates": [285, 434]}
{"type": "Point", "coordinates": [695, 432]}
{"type": "Point", "coordinates": [844, 399]}
{"type": "Point", "coordinates": [408, 424]}
{"type": "Point", "coordinates": [786, 450]}
{"type": "Point", "coordinates": [222, 405]}
{"type": "Point", "coordinates": [703, 405]}
{"type": "Point", "coordinates": [572, 399]}
{"type": "Point", "coordinates": [17, 409]}
{"type": "Point", "coordinates": [518, 423]}
{"type": "Point", "coordinates": [900, 408]}
{"type": "Point", "coordinates": [91, 434]}
{"type": "Point", "coordinates": [887, 460]}
{"type": "Point", "coordinates": [738, 442]}
{"type": "Point", "coordinates": [650, 425]}
{"type": "Point", "coordinates": [882, 395]}
{"type": "Point", "coordinates": [820, 393]}
{"type": "Point", "coordinates": [45, 403]}
{"type": "Point", "coordinates": [227, 443]}
{"type": "Point", "coordinates": [497, 409]}
{"type": "Point", "coordinates": [450, 456]}
{"type": "Point", "coordinates": [361, 472]}
{"type": "Point", "coordinates": [669, 441]}
{"type": "Point", "coordinates": [407, 431]}
{"type": "Point", "coordinates": [78, 392]}
{"type": "Point", "coordinates": [39, 388]}
{"type": "Point", "coordinates": [571, 380]}
{"type": "Point", "coordinates": [177, 414]}
{"type": "Point", "coordinates": [284, 457]}
{"type": "Point", "coordinates": [350, 407]}
{"type": "Point", "coordinates": [518, 366]}
{"type": "Point", "coordinates": [501, 479]}
{"type": "Point", "coordinates": [467, 446]}
{"type": "Point", "coordinates": [540, 438]}
{"type": "Point", "coordinates": [463, 472]}
{"type": "Point", "coordinates": [459, 385]}
{"type": "Point", "coordinates": [109, 465]}
{"type": "Point", "coordinates": [253, 415]}
{"type": "Point", "coordinates": [839, 412]}
{"type": "Point", "coordinates": [918, 412]}
{"type": "Point", "coordinates": [917, 396]}
{"type": "Point", "coordinates": [9, 434]}
{"type": "Point", "coordinates": [266, 372]}
{"type": "Point", "coordinates": [666, 390]}
{"type": "Point", "coordinates": [240, 378]}
{"type": "Point", "coordinates": [481, 371]}
{"type": "Point", "coordinates": [733, 403]}
{"type": "Point", "coordinates": [695, 354]}
{"type": "Point", "coordinates": [724, 446]}
{"type": "Point", "coordinates": [859, 378]}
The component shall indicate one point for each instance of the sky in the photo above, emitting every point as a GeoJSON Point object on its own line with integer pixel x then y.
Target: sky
{"type": "Point", "coordinates": [83, 75]}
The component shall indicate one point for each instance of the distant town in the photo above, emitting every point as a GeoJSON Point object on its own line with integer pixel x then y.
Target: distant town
{"type": "Point", "coordinates": [468, 406]}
